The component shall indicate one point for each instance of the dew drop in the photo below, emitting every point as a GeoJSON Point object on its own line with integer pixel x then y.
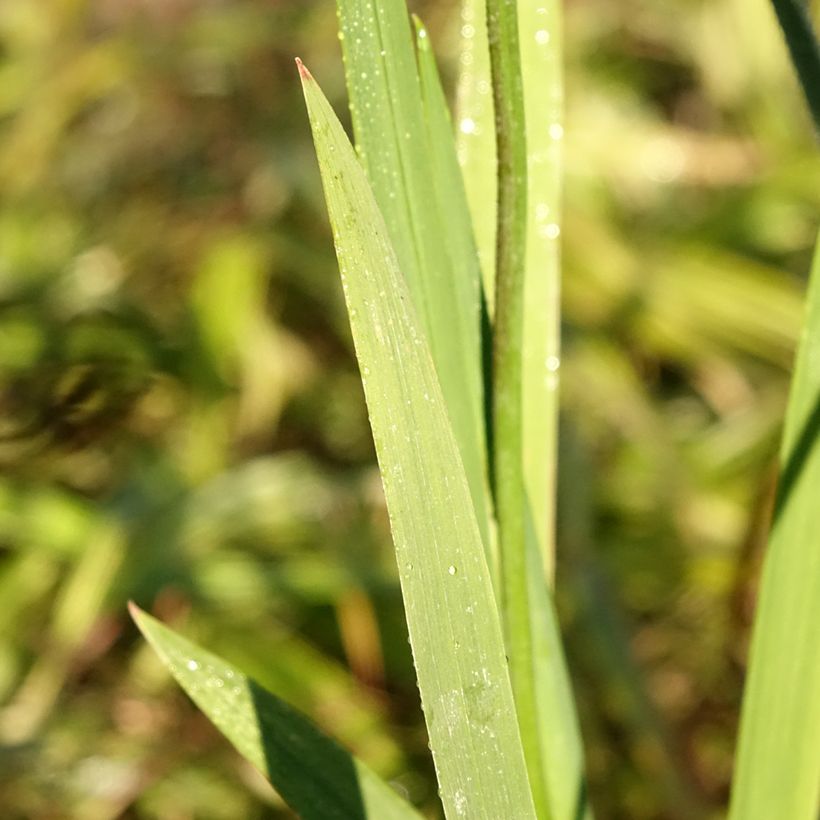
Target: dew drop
{"type": "Point", "coordinates": [467, 126]}
{"type": "Point", "coordinates": [452, 570]}
{"type": "Point", "coordinates": [542, 37]}
{"type": "Point", "coordinates": [192, 665]}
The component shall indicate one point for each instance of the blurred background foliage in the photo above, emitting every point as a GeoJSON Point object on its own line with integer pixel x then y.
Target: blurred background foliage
{"type": "Point", "coordinates": [181, 420]}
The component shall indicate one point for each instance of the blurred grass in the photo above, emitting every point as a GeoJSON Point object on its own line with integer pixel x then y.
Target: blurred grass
{"type": "Point", "coordinates": [181, 420]}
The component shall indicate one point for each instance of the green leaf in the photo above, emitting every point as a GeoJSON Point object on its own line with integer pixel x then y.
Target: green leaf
{"type": "Point", "coordinates": [539, 24]}
{"type": "Point", "coordinates": [475, 134]}
{"type": "Point", "coordinates": [316, 777]}
{"type": "Point", "coordinates": [452, 618]}
{"type": "Point", "coordinates": [393, 142]}
{"type": "Point", "coordinates": [559, 735]}
{"type": "Point", "coordinates": [507, 373]}
{"type": "Point", "coordinates": [461, 246]}
{"type": "Point", "coordinates": [778, 764]}
{"type": "Point", "coordinates": [561, 746]}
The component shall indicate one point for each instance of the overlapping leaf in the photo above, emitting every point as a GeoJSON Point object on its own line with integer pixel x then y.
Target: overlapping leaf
{"type": "Point", "coordinates": [561, 752]}
{"type": "Point", "coordinates": [450, 606]}
{"type": "Point", "coordinates": [393, 142]}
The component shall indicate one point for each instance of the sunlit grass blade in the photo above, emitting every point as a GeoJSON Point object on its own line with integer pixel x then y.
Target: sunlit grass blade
{"type": "Point", "coordinates": [316, 777]}
{"type": "Point", "coordinates": [461, 244]}
{"type": "Point", "coordinates": [475, 134]}
{"type": "Point", "coordinates": [778, 763]}
{"type": "Point", "coordinates": [451, 613]}
{"type": "Point", "coordinates": [562, 758]}
{"type": "Point", "coordinates": [394, 147]}
{"type": "Point", "coordinates": [559, 734]}
{"type": "Point", "coordinates": [539, 27]}
{"type": "Point", "coordinates": [507, 370]}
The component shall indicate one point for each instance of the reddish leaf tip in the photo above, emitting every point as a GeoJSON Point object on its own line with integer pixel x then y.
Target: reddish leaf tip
{"type": "Point", "coordinates": [134, 610]}
{"type": "Point", "coordinates": [303, 72]}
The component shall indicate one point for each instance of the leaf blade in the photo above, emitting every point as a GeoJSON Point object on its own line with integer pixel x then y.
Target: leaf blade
{"type": "Point", "coordinates": [461, 247]}
{"type": "Point", "coordinates": [475, 134]}
{"type": "Point", "coordinates": [452, 618]}
{"type": "Point", "coordinates": [393, 143]}
{"type": "Point", "coordinates": [540, 38]}
{"type": "Point", "coordinates": [314, 775]}
{"type": "Point", "coordinates": [778, 766]}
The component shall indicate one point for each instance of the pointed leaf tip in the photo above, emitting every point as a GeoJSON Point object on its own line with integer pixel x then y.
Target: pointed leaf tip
{"type": "Point", "coordinates": [303, 72]}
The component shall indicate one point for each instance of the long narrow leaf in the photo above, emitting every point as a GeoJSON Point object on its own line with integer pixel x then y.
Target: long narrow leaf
{"type": "Point", "coordinates": [316, 777]}
{"type": "Point", "coordinates": [559, 734]}
{"type": "Point", "coordinates": [394, 147]}
{"type": "Point", "coordinates": [778, 765]}
{"type": "Point", "coordinates": [560, 739]}
{"type": "Point", "coordinates": [540, 36]}
{"type": "Point", "coordinates": [475, 133]}
{"type": "Point", "coordinates": [449, 187]}
{"type": "Point", "coordinates": [507, 372]}
{"type": "Point", "coordinates": [450, 606]}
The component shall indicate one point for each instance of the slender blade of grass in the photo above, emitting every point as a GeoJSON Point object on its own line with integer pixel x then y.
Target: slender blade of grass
{"type": "Point", "coordinates": [510, 496]}
{"type": "Point", "coordinates": [560, 742]}
{"type": "Point", "coordinates": [449, 186]}
{"type": "Point", "coordinates": [539, 26]}
{"type": "Point", "coordinates": [778, 763]}
{"type": "Point", "coordinates": [316, 777]}
{"type": "Point", "coordinates": [540, 37]}
{"type": "Point", "coordinates": [475, 135]}
{"type": "Point", "coordinates": [452, 618]}
{"type": "Point", "coordinates": [394, 146]}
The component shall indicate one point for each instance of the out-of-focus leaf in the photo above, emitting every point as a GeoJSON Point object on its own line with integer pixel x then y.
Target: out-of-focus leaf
{"type": "Point", "coordinates": [451, 613]}
{"type": "Point", "coordinates": [77, 606]}
{"type": "Point", "coordinates": [395, 149]}
{"type": "Point", "coordinates": [778, 764]}
{"type": "Point", "coordinates": [317, 778]}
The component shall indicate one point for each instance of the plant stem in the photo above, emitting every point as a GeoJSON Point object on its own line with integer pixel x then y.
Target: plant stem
{"type": "Point", "coordinates": [804, 48]}
{"type": "Point", "coordinates": [508, 96]}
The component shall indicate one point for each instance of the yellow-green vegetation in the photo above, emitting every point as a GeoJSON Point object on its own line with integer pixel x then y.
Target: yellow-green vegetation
{"type": "Point", "coordinates": [183, 424]}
